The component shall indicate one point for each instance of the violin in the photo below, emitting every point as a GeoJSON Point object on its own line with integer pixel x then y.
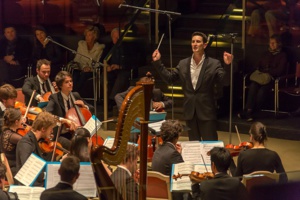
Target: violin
{"type": "Point", "coordinates": [23, 131]}
{"type": "Point", "coordinates": [196, 176]}
{"type": "Point", "coordinates": [236, 149]}
{"type": "Point", "coordinates": [53, 88]}
{"type": "Point", "coordinates": [32, 111]}
{"type": "Point", "coordinates": [47, 146]}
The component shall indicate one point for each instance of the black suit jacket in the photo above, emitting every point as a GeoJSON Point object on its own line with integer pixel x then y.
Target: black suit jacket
{"type": "Point", "coordinates": [202, 99]}
{"type": "Point", "coordinates": [61, 191]}
{"type": "Point", "coordinates": [30, 84]}
{"type": "Point", "coordinates": [125, 184]}
{"type": "Point", "coordinates": [164, 157]}
{"type": "Point", "coordinates": [56, 104]}
{"type": "Point", "coordinates": [222, 186]}
{"type": "Point", "coordinates": [158, 96]}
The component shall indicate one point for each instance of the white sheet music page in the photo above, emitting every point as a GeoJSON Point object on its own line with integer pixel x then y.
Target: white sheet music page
{"type": "Point", "coordinates": [30, 170]}
{"type": "Point", "coordinates": [85, 184]}
{"type": "Point", "coordinates": [91, 125]}
{"type": "Point", "coordinates": [191, 151]}
{"type": "Point", "coordinates": [206, 146]}
{"type": "Point", "coordinates": [26, 192]}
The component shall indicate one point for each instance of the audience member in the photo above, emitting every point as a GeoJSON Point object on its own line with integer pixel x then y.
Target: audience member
{"type": "Point", "coordinates": [60, 102]}
{"type": "Point", "coordinates": [199, 74]}
{"type": "Point", "coordinates": [259, 158]}
{"type": "Point", "coordinates": [169, 152]}
{"type": "Point", "coordinates": [273, 12]}
{"type": "Point", "coordinates": [69, 173]}
{"type": "Point", "coordinates": [9, 137]}
{"type": "Point", "coordinates": [124, 177]}
{"type": "Point", "coordinates": [42, 128]}
{"type": "Point", "coordinates": [222, 186]}
{"type": "Point", "coordinates": [44, 49]}
{"type": "Point", "coordinates": [118, 71]}
{"type": "Point", "coordinates": [159, 100]}
{"type": "Point", "coordinates": [40, 83]}
{"type": "Point", "coordinates": [3, 194]}
{"type": "Point", "coordinates": [273, 62]}
{"type": "Point", "coordinates": [84, 65]}
{"type": "Point", "coordinates": [14, 56]}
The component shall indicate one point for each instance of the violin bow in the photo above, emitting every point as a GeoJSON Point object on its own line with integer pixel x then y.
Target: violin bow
{"type": "Point", "coordinates": [51, 87]}
{"type": "Point", "coordinates": [238, 134]}
{"type": "Point", "coordinates": [56, 139]}
{"type": "Point", "coordinates": [28, 106]}
{"type": "Point", "coordinates": [204, 163]}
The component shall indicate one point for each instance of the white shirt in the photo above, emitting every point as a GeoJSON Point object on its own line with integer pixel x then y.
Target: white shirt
{"type": "Point", "coordinates": [120, 166]}
{"type": "Point", "coordinates": [2, 106]}
{"type": "Point", "coordinates": [195, 70]}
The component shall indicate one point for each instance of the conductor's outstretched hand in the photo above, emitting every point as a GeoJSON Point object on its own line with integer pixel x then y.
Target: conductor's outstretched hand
{"type": "Point", "coordinates": [227, 58]}
{"type": "Point", "coordinates": [156, 55]}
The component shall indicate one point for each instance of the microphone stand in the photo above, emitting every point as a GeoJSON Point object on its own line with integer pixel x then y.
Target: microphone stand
{"type": "Point", "coordinates": [168, 13]}
{"type": "Point", "coordinates": [95, 66]}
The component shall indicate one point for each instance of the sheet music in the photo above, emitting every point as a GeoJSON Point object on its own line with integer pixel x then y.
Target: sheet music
{"type": "Point", "coordinates": [109, 142]}
{"type": "Point", "coordinates": [206, 146]}
{"type": "Point", "coordinates": [191, 151]}
{"type": "Point", "coordinates": [30, 170]}
{"type": "Point", "coordinates": [156, 125]}
{"type": "Point", "coordinates": [183, 183]}
{"type": "Point", "coordinates": [85, 184]}
{"type": "Point", "coordinates": [91, 126]}
{"type": "Point", "coordinates": [26, 192]}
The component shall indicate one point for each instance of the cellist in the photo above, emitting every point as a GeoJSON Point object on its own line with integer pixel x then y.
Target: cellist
{"type": "Point", "coordinates": [60, 102]}
{"type": "Point", "coordinates": [40, 83]}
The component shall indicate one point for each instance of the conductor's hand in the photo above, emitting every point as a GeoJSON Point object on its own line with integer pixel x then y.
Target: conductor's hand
{"type": "Point", "coordinates": [156, 55]}
{"type": "Point", "coordinates": [227, 57]}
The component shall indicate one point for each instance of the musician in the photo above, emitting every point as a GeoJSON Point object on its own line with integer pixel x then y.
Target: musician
{"type": "Point", "coordinates": [199, 74]}
{"type": "Point", "coordinates": [169, 152]}
{"type": "Point", "coordinates": [69, 173]}
{"type": "Point", "coordinates": [222, 186]}
{"type": "Point", "coordinates": [8, 95]}
{"type": "Point", "coordinates": [259, 158]}
{"type": "Point", "coordinates": [159, 100]}
{"type": "Point", "coordinates": [9, 138]}
{"type": "Point", "coordinates": [124, 176]}
{"type": "Point", "coordinates": [40, 83]}
{"type": "Point", "coordinates": [42, 128]}
{"type": "Point", "coordinates": [60, 103]}
{"type": "Point", "coordinates": [3, 194]}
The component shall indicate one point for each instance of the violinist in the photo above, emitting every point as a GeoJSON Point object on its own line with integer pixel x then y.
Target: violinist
{"type": "Point", "coordinates": [9, 138]}
{"type": "Point", "coordinates": [42, 128]}
{"type": "Point", "coordinates": [40, 83]}
{"type": "Point", "coordinates": [8, 95]}
{"type": "Point", "coordinates": [169, 152]}
{"type": "Point", "coordinates": [60, 103]}
{"type": "Point", "coordinates": [259, 158]}
{"type": "Point", "coordinates": [222, 186]}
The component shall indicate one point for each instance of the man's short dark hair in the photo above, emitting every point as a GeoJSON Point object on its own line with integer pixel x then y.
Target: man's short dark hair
{"type": "Point", "coordinates": [204, 37]}
{"type": "Point", "coordinates": [7, 91]}
{"type": "Point", "coordinates": [170, 130]}
{"type": "Point", "coordinates": [42, 62]}
{"type": "Point", "coordinates": [69, 168]}
{"type": "Point", "coordinates": [221, 157]}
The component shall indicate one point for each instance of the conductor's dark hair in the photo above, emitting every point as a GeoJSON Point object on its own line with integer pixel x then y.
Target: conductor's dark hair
{"type": "Point", "coordinates": [204, 37]}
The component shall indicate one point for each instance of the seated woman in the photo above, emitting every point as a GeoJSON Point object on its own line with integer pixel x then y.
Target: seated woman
{"type": "Point", "coordinates": [9, 138]}
{"type": "Point", "coordinates": [81, 145]}
{"type": "Point", "coordinates": [259, 158]}
{"type": "Point", "coordinates": [273, 62]}
{"type": "Point", "coordinates": [44, 49]}
{"type": "Point", "coordinates": [92, 50]}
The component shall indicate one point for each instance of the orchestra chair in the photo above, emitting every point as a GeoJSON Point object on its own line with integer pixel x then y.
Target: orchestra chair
{"type": "Point", "coordinates": [158, 186]}
{"type": "Point", "coordinates": [20, 95]}
{"type": "Point", "coordinates": [259, 178]}
{"type": "Point", "coordinates": [289, 85]}
{"type": "Point", "coordinates": [9, 176]}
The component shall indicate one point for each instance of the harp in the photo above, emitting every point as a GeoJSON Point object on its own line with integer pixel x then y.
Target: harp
{"type": "Point", "coordinates": [135, 105]}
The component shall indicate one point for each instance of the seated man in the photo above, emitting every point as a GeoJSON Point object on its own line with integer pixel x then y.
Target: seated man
{"type": "Point", "coordinates": [14, 56]}
{"type": "Point", "coordinates": [69, 173]}
{"type": "Point", "coordinates": [222, 186]}
{"type": "Point", "coordinates": [41, 128]}
{"type": "Point", "coordinates": [124, 177]}
{"type": "Point", "coordinates": [159, 100]}
{"type": "Point", "coordinates": [40, 83]}
{"type": "Point", "coordinates": [5, 195]}
{"type": "Point", "coordinates": [8, 95]}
